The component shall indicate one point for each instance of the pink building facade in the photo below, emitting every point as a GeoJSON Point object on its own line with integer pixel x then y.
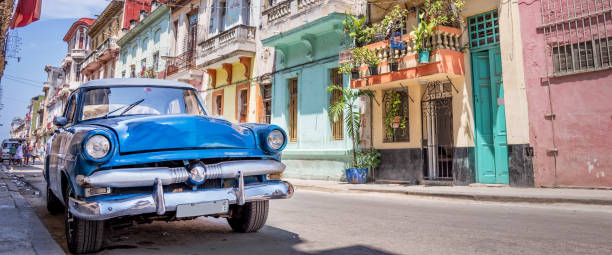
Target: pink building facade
{"type": "Point", "coordinates": [568, 77]}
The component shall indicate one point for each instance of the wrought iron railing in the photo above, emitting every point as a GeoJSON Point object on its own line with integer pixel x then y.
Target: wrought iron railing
{"type": "Point", "coordinates": [576, 34]}
{"type": "Point", "coordinates": [182, 62]}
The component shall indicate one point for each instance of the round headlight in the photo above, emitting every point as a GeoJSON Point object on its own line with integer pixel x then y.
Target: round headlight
{"type": "Point", "coordinates": [276, 139]}
{"type": "Point", "coordinates": [97, 146]}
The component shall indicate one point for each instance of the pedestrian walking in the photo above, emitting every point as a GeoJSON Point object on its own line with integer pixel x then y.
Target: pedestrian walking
{"type": "Point", "coordinates": [27, 152]}
{"type": "Point", "coordinates": [19, 154]}
{"type": "Point", "coordinates": [12, 152]}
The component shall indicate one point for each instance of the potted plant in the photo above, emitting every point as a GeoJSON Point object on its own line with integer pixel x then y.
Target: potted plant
{"type": "Point", "coordinates": [367, 159]}
{"type": "Point", "coordinates": [363, 55]}
{"type": "Point", "coordinates": [349, 68]}
{"type": "Point", "coordinates": [347, 106]}
{"type": "Point", "coordinates": [421, 34]}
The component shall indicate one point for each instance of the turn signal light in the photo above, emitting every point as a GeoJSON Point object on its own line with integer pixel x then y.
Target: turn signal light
{"type": "Point", "coordinates": [274, 177]}
{"type": "Point", "coordinates": [97, 191]}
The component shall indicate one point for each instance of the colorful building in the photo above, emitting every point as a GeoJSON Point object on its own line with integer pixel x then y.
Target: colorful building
{"type": "Point", "coordinates": [186, 20]}
{"type": "Point", "coordinates": [143, 47]}
{"type": "Point", "coordinates": [567, 81]}
{"type": "Point", "coordinates": [461, 117]}
{"type": "Point", "coordinates": [53, 100]}
{"type": "Point", "coordinates": [116, 19]}
{"type": "Point", "coordinates": [228, 53]}
{"type": "Point", "coordinates": [36, 119]}
{"type": "Point", "coordinates": [79, 47]}
{"type": "Point", "coordinates": [301, 42]}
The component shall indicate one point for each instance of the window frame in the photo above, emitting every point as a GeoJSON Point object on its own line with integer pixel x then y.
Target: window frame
{"type": "Point", "coordinates": [337, 127]}
{"type": "Point", "coordinates": [406, 105]}
{"type": "Point", "coordinates": [293, 109]}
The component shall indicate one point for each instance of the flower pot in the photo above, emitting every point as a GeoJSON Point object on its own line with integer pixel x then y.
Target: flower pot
{"type": "Point", "coordinates": [394, 66]}
{"type": "Point", "coordinates": [423, 57]}
{"type": "Point", "coordinates": [356, 175]}
{"type": "Point", "coordinates": [373, 70]}
{"type": "Point", "coordinates": [355, 74]}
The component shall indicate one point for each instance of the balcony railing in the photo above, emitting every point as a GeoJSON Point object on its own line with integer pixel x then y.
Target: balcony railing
{"type": "Point", "coordinates": [179, 63]}
{"type": "Point", "coordinates": [78, 53]}
{"type": "Point", "coordinates": [108, 44]}
{"type": "Point", "coordinates": [278, 11]}
{"type": "Point", "coordinates": [239, 32]}
{"type": "Point", "coordinates": [443, 38]}
{"type": "Point", "coordinates": [445, 57]}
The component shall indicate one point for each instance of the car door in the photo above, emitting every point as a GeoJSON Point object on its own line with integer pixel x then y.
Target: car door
{"type": "Point", "coordinates": [59, 158]}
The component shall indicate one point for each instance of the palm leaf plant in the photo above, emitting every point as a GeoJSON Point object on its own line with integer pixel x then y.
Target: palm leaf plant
{"type": "Point", "coordinates": [347, 105]}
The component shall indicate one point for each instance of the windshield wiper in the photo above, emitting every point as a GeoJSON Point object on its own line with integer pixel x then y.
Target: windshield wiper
{"type": "Point", "coordinates": [129, 107]}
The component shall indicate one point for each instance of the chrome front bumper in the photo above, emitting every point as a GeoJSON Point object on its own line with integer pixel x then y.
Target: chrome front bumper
{"type": "Point", "coordinates": [161, 202]}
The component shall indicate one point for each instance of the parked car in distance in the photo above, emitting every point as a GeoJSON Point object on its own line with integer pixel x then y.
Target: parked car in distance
{"type": "Point", "coordinates": [6, 147]}
{"type": "Point", "coordinates": [140, 150]}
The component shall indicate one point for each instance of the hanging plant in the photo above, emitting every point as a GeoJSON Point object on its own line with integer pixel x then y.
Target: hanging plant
{"type": "Point", "coordinates": [444, 12]}
{"type": "Point", "coordinates": [393, 113]}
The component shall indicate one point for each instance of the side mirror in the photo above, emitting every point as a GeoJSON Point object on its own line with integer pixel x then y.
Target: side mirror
{"type": "Point", "coordinates": [60, 121]}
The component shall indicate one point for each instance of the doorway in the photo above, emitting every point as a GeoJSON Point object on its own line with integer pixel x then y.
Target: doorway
{"type": "Point", "coordinates": [491, 148]}
{"type": "Point", "coordinates": [436, 106]}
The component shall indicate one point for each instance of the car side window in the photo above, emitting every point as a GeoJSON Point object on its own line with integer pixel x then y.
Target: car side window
{"type": "Point", "coordinates": [70, 108]}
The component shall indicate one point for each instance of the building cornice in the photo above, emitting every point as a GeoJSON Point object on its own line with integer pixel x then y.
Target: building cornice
{"type": "Point", "coordinates": [143, 24]}
{"type": "Point", "coordinates": [111, 10]}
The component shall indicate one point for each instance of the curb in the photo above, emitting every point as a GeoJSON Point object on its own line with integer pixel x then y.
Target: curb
{"type": "Point", "coordinates": [473, 197]}
{"type": "Point", "coordinates": [41, 240]}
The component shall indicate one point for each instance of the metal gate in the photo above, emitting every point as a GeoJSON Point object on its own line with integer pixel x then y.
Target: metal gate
{"type": "Point", "coordinates": [437, 118]}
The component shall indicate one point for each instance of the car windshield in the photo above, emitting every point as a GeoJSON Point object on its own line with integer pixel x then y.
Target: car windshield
{"type": "Point", "coordinates": [121, 101]}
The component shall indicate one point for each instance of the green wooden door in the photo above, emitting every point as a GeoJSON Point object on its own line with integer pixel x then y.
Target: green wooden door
{"type": "Point", "coordinates": [490, 141]}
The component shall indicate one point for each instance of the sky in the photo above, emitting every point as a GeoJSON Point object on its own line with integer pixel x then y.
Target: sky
{"type": "Point", "coordinates": [41, 45]}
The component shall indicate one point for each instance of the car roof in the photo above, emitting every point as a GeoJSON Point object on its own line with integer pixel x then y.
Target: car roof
{"type": "Point", "coordinates": [126, 82]}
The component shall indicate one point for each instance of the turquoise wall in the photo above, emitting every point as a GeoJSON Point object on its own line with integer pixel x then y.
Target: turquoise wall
{"type": "Point", "coordinates": [315, 155]}
{"type": "Point", "coordinates": [145, 39]}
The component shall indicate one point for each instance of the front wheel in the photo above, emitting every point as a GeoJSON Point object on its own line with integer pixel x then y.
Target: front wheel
{"type": "Point", "coordinates": [249, 217]}
{"type": "Point", "coordinates": [82, 236]}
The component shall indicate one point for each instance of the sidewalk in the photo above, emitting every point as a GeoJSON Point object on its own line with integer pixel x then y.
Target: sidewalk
{"type": "Point", "coordinates": [480, 193]}
{"type": "Point", "coordinates": [22, 232]}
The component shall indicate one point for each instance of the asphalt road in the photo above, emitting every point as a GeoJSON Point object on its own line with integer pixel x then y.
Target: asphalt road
{"type": "Point", "coordinates": [316, 222]}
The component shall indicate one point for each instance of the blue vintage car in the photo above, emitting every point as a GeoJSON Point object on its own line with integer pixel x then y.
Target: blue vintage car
{"type": "Point", "coordinates": [139, 150]}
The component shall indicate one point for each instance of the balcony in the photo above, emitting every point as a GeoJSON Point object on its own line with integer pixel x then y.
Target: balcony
{"type": "Point", "coordinates": [233, 42]}
{"type": "Point", "coordinates": [182, 67]}
{"type": "Point", "coordinates": [446, 59]}
{"type": "Point", "coordinates": [78, 53]}
{"type": "Point", "coordinates": [283, 16]}
{"type": "Point", "coordinates": [105, 52]}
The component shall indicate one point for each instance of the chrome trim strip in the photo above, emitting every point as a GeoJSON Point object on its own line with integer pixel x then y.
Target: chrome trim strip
{"type": "Point", "coordinates": [102, 210]}
{"type": "Point", "coordinates": [142, 177]}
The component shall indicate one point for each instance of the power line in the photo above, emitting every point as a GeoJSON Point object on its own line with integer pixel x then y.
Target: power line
{"type": "Point", "coordinates": [17, 77]}
{"type": "Point", "coordinates": [25, 82]}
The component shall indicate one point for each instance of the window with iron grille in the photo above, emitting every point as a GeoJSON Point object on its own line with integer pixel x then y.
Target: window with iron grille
{"type": "Point", "coordinates": [395, 116]}
{"type": "Point", "coordinates": [293, 109]}
{"type": "Point", "coordinates": [266, 92]}
{"type": "Point", "coordinates": [243, 105]}
{"type": "Point", "coordinates": [576, 35]}
{"type": "Point", "coordinates": [155, 61]}
{"type": "Point", "coordinates": [582, 56]}
{"type": "Point", "coordinates": [337, 126]}
{"type": "Point", "coordinates": [219, 105]}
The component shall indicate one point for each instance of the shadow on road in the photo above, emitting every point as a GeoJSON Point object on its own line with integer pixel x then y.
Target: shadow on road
{"type": "Point", "coordinates": [211, 236]}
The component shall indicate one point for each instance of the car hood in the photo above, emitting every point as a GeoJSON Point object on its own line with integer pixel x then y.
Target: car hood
{"type": "Point", "coordinates": [176, 132]}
